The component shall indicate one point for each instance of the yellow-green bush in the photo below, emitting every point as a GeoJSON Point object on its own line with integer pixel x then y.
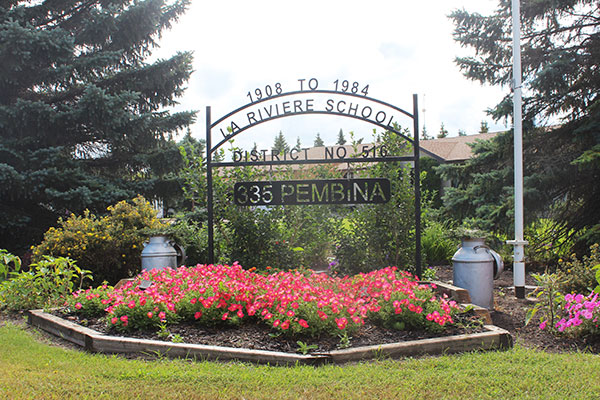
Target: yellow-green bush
{"type": "Point", "coordinates": [110, 246]}
{"type": "Point", "coordinates": [579, 276]}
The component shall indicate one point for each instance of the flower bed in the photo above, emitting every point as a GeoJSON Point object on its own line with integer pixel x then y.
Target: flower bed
{"type": "Point", "coordinates": [290, 303]}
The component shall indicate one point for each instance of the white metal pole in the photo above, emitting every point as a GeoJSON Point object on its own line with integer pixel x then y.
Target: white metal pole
{"type": "Point", "coordinates": [519, 242]}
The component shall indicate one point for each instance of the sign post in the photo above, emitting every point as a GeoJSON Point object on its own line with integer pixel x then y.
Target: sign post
{"type": "Point", "coordinates": [209, 190]}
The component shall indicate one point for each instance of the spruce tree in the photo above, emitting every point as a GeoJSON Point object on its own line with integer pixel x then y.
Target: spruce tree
{"type": "Point", "coordinates": [561, 78]}
{"type": "Point", "coordinates": [425, 134]}
{"type": "Point", "coordinates": [318, 141]}
{"type": "Point", "coordinates": [443, 132]}
{"type": "Point", "coordinates": [484, 127]}
{"type": "Point", "coordinates": [280, 145]}
{"type": "Point", "coordinates": [83, 119]}
{"type": "Point", "coordinates": [341, 139]}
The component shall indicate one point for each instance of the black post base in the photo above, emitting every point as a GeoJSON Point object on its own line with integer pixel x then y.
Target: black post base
{"type": "Point", "coordinates": [520, 292]}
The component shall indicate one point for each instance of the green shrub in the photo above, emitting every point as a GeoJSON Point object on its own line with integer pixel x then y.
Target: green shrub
{"type": "Point", "coordinates": [109, 246]}
{"type": "Point", "coordinates": [579, 276]}
{"type": "Point", "coordinates": [46, 284]}
{"type": "Point", "coordinates": [351, 248]}
{"type": "Point", "coordinates": [381, 235]}
{"type": "Point", "coordinates": [550, 300]}
{"type": "Point", "coordinates": [548, 242]}
{"type": "Point", "coordinates": [6, 260]}
{"type": "Point", "coordinates": [437, 247]}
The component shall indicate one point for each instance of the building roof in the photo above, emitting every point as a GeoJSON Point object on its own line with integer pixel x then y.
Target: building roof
{"type": "Point", "coordinates": [456, 148]}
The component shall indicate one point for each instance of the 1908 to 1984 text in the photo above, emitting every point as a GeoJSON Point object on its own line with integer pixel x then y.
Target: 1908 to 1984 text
{"type": "Point", "coordinates": [312, 84]}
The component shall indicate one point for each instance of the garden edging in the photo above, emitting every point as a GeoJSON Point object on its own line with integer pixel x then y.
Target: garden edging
{"type": "Point", "coordinates": [491, 339]}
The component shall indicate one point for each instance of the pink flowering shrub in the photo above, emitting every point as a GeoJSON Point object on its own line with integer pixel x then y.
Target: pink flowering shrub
{"type": "Point", "coordinates": [582, 315]}
{"type": "Point", "coordinates": [92, 302]}
{"type": "Point", "coordinates": [289, 302]}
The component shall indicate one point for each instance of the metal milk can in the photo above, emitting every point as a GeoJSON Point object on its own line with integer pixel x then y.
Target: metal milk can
{"type": "Point", "coordinates": [475, 267]}
{"type": "Point", "coordinates": [160, 252]}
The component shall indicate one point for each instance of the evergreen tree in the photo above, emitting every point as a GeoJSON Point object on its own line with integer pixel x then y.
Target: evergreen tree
{"type": "Point", "coordinates": [82, 119]}
{"type": "Point", "coordinates": [425, 134]}
{"type": "Point", "coordinates": [318, 141]}
{"type": "Point", "coordinates": [298, 145]}
{"type": "Point", "coordinates": [462, 132]}
{"type": "Point", "coordinates": [280, 145]}
{"type": "Point", "coordinates": [443, 132]}
{"type": "Point", "coordinates": [484, 127]}
{"type": "Point", "coordinates": [193, 171]}
{"type": "Point", "coordinates": [341, 139]}
{"type": "Point", "coordinates": [561, 71]}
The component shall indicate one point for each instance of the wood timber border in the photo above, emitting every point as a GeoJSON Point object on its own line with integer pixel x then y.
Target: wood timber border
{"type": "Point", "coordinates": [493, 338]}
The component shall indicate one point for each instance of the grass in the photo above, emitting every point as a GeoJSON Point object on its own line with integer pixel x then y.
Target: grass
{"type": "Point", "coordinates": [30, 368]}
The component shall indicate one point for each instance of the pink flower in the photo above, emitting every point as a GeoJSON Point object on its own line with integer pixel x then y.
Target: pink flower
{"type": "Point", "coordinates": [131, 304]}
{"type": "Point", "coordinates": [124, 319]}
{"type": "Point", "coordinates": [303, 323]}
{"type": "Point", "coordinates": [543, 325]}
{"type": "Point", "coordinates": [78, 306]}
{"type": "Point", "coordinates": [569, 297]}
{"type": "Point", "coordinates": [341, 322]}
{"type": "Point", "coordinates": [114, 320]}
{"type": "Point", "coordinates": [149, 314]}
{"type": "Point", "coordinates": [162, 316]}
{"type": "Point", "coordinates": [285, 324]}
{"type": "Point", "coordinates": [198, 315]}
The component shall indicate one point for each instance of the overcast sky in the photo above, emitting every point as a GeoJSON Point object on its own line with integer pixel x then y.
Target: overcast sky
{"type": "Point", "coordinates": [396, 47]}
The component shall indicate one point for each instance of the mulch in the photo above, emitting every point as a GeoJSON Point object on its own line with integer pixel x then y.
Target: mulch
{"type": "Point", "coordinates": [258, 336]}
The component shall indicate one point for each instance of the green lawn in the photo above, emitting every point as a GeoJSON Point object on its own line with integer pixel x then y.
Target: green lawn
{"type": "Point", "coordinates": [31, 369]}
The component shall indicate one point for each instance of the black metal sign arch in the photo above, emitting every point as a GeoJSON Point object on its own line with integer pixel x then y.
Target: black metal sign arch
{"type": "Point", "coordinates": [312, 102]}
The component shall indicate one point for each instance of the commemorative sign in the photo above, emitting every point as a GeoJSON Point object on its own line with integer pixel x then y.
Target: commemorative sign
{"type": "Point", "coordinates": [309, 96]}
{"type": "Point", "coordinates": [340, 98]}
